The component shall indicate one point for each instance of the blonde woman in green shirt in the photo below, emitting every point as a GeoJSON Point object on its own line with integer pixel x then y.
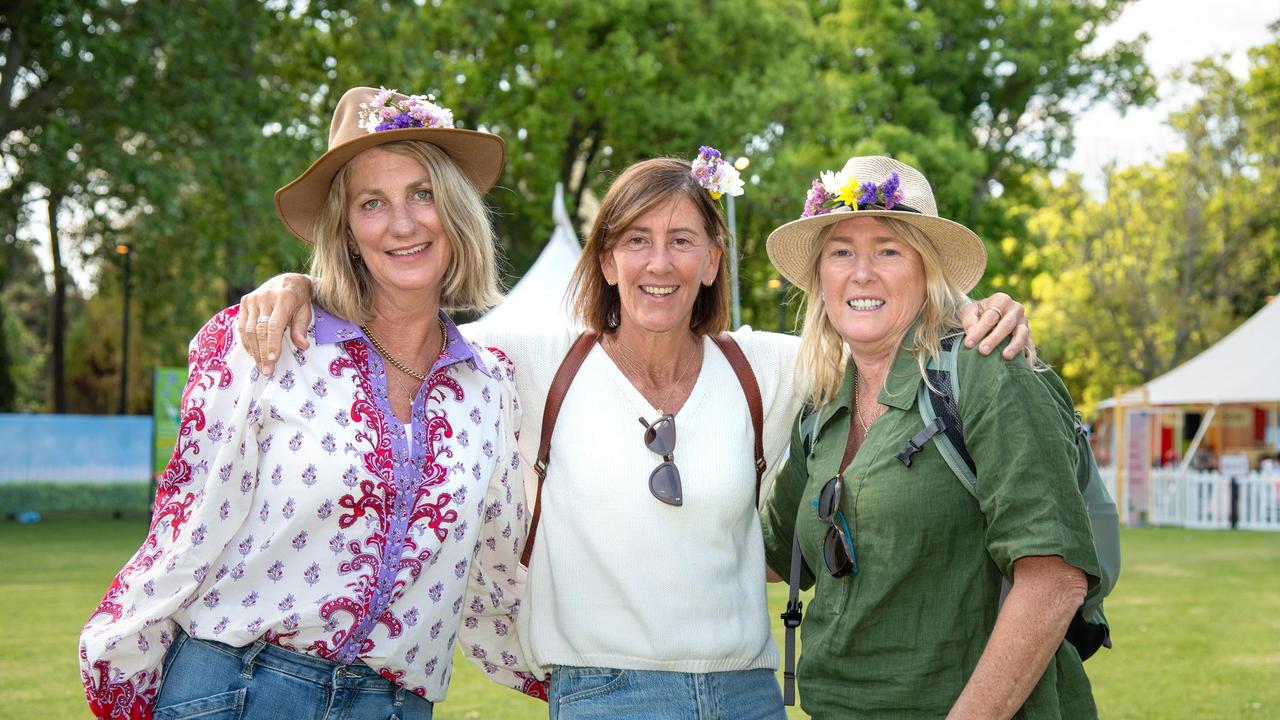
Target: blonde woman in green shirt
{"type": "Point", "coordinates": [906, 619]}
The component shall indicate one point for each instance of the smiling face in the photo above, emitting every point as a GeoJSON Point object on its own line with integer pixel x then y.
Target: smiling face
{"type": "Point", "coordinates": [873, 284]}
{"type": "Point", "coordinates": [659, 264]}
{"type": "Point", "coordinates": [395, 226]}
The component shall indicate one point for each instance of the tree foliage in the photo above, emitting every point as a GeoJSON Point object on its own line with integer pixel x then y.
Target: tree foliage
{"type": "Point", "coordinates": [1174, 255]}
{"type": "Point", "coordinates": [170, 125]}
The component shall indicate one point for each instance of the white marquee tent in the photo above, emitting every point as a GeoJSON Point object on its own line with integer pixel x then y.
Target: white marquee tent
{"type": "Point", "coordinates": [1239, 376]}
{"type": "Point", "coordinates": [539, 298]}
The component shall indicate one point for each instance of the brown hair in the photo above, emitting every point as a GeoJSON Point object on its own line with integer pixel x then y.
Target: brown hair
{"type": "Point", "coordinates": [343, 285]}
{"type": "Point", "coordinates": [639, 189]}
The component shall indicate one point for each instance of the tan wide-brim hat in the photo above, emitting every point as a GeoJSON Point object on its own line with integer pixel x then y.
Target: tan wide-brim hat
{"type": "Point", "coordinates": [479, 155]}
{"type": "Point", "coordinates": [964, 258]}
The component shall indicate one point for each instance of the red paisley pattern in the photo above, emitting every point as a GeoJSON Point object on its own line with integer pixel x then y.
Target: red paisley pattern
{"type": "Point", "coordinates": [131, 698]}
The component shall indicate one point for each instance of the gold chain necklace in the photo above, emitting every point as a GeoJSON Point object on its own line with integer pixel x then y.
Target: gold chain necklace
{"type": "Point", "coordinates": [675, 388]}
{"type": "Point", "coordinates": [857, 406]}
{"type": "Point", "coordinates": [395, 363]}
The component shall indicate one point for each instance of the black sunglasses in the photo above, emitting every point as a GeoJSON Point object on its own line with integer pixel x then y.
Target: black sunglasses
{"type": "Point", "coordinates": [837, 547]}
{"type": "Point", "coordinates": [664, 481]}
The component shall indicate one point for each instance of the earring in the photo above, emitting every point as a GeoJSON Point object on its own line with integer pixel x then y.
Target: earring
{"type": "Point", "coordinates": [709, 283]}
{"type": "Point", "coordinates": [611, 283]}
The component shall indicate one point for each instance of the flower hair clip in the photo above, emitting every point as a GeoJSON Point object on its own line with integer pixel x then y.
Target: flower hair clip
{"type": "Point", "coordinates": [834, 190]}
{"type": "Point", "coordinates": [717, 176]}
{"type": "Point", "coordinates": [414, 111]}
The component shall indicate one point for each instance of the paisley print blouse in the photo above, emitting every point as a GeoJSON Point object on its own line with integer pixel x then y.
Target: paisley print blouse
{"type": "Point", "coordinates": [297, 508]}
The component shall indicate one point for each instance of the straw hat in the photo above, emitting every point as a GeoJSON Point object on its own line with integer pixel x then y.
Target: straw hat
{"type": "Point", "coordinates": [880, 187]}
{"type": "Point", "coordinates": [357, 125]}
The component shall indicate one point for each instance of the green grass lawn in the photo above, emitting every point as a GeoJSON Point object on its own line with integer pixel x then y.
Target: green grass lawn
{"type": "Point", "coordinates": [1196, 618]}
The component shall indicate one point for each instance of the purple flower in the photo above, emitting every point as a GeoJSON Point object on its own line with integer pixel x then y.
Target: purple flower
{"type": "Point", "coordinates": [312, 574]}
{"type": "Point", "coordinates": [814, 201]}
{"type": "Point", "coordinates": [300, 540]}
{"type": "Point", "coordinates": [867, 197]}
{"type": "Point", "coordinates": [891, 190]}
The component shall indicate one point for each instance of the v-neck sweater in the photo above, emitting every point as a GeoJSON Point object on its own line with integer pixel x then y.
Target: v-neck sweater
{"type": "Point", "coordinates": [619, 579]}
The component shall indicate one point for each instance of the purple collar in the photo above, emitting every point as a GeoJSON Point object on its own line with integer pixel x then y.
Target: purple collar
{"type": "Point", "coordinates": [329, 328]}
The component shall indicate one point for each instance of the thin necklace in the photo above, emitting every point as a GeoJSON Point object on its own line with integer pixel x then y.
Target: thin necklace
{"type": "Point", "coordinates": [857, 406]}
{"type": "Point", "coordinates": [675, 388]}
{"type": "Point", "coordinates": [395, 363]}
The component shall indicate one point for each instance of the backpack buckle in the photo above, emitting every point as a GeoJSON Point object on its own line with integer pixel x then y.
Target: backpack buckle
{"type": "Point", "coordinates": [917, 442]}
{"type": "Point", "coordinates": [791, 617]}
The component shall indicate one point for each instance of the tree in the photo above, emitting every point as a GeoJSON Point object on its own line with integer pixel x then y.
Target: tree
{"type": "Point", "coordinates": [975, 93]}
{"type": "Point", "coordinates": [1170, 260]}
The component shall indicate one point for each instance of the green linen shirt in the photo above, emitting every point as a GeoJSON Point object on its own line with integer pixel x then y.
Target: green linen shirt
{"type": "Point", "coordinates": [901, 638]}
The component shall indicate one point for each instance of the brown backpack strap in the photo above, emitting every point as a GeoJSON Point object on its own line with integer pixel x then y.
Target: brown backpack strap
{"type": "Point", "coordinates": [751, 389]}
{"type": "Point", "coordinates": [555, 398]}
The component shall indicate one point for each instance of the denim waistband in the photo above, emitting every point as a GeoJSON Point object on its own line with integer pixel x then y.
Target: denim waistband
{"type": "Point", "coordinates": [261, 653]}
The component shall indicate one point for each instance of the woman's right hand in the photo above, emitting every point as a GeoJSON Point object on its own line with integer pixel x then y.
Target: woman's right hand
{"type": "Point", "coordinates": [283, 301]}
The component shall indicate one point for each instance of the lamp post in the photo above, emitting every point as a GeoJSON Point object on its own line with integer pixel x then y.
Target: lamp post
{"type": "Point", "coordinates": [124, 250]}
{"type": "Point", "coordinates": [735, 301]}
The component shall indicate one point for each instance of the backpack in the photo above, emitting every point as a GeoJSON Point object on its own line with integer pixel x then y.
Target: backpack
{"type": "Point", "coordinates": [940, 411]}
{"type": "Point", "coordinates": [939, 408]}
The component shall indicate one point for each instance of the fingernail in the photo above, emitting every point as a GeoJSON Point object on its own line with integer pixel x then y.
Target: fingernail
{"type": "Point", "coordinates": [986, 348]}
{"type": "Point", "coordinates": [271, 357]}
{"type": "Point", "coordinates": [968, 343]}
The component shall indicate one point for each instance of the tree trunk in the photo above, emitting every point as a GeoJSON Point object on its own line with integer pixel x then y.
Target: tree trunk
{"type": "Point", "coordinates": [57, 310]}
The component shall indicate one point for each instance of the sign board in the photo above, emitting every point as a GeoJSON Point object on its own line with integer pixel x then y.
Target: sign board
{"type": "Point", "coordinates": [1234, 464]}
{"type": "Point", "coordinates": [167, 411]}
{"type": "Point", "coordinates": [1137, 464]}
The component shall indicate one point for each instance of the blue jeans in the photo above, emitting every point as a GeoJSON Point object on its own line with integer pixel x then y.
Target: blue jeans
{"type": "Point", "coordinates": [586, 693]}
{"type": "Point", "coordinates": [212, 681]}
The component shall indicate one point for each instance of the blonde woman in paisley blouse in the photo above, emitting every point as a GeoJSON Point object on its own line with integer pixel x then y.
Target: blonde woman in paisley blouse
{"type": "Point", "coordinates": [327, 533]}
{"type": "Point", "coordinates": [646, 595]}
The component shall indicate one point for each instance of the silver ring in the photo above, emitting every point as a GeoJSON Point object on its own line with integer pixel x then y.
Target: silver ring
{"type": "Point", "coordinates": [994, 309]}
{"type": "Point", "coordinates": [264, 319]}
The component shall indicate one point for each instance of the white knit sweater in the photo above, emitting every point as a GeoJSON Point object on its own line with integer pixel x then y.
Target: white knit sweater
{"type": "Point", "coordinates": [619, 579]}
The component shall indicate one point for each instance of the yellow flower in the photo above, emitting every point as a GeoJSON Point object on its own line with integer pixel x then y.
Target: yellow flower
{"type": "Point", "coordinates": [714, 195]}
{"type": "Point", "coordinates": [849, 193]}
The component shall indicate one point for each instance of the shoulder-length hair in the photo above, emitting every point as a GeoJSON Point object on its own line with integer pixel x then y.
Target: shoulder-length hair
{"type": "Point", "coordinates": [823, 355]}
{"type": "Point", "coordinates": [343, 285]}
{"type": "Point", "coordinates": [639, 189]}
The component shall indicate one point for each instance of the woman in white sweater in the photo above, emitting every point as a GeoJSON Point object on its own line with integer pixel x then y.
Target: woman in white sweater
{"type": "Point", "coordinates": [646, 588]}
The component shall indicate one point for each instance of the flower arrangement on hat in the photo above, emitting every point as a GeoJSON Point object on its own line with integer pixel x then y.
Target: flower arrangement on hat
{"type": "Point", "coordinates": [715, 174]}
{"type": "Point", "coordinates": [841, 189]}
{"type": "Point", "coordinates": [385, 112]}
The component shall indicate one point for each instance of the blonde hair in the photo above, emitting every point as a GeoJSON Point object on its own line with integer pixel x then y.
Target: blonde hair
{"type": "Point", "coordinates": [639, 189]}
{"type": "Point", "coordinates": [823, 356]}
{"type": "Point", "coordinates": [343, 285]}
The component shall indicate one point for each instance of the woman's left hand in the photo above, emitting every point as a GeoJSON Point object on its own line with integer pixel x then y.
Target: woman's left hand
{"type": "Point", "coordinates": [989, 321]}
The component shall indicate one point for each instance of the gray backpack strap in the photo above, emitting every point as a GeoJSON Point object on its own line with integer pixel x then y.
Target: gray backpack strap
{"type": "Point", "coordinates": [808, 422]}
{"type": "Point", "coordinates": [942, 408]}
{"type": "Point", "coordinates": [791, 620]}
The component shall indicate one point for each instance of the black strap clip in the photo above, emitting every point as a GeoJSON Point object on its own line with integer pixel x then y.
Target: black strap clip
{"type": "Point", "coordinates": [917, 442]}
{"type": "Point", "coordinates": [791, 617]}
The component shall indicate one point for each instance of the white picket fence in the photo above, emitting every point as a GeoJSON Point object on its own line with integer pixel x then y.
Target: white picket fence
{"type": "Point", "coordinates": [1202, 499]}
